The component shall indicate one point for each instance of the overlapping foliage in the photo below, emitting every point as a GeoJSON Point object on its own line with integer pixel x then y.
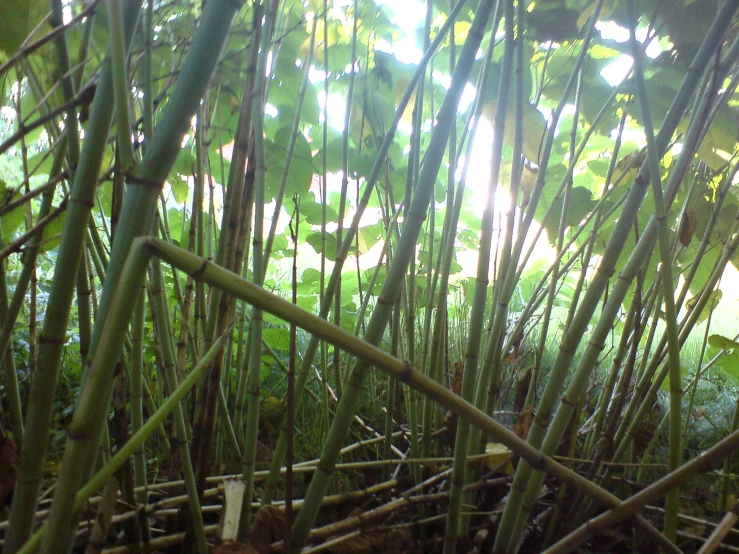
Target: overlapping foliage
{"type": "Point", "coordinates": [492, 192]}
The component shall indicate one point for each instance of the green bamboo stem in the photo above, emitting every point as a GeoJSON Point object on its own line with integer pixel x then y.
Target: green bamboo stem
{"type": "Point", "coordinates": [720, 197]}
{"type": "Point", "coordinates": [614, 403]}
{"type": "Point", "coordinates": [695, 131]}
{"type": "Point", "coordinates": [624, 433]}
{"type": "Point", "coordinates": [668, 291]}
{"type": "Point", "coordinates": [596, 212]}
{"type": "Point", "coordinates": [477, 313]}
{"type": "Point", "coordinates": [84, 310]}
{"type": "Point", "coordinates": [51, 338]}
{"type": "Point", "coordinates": [221, 308]}
{"type": "Point", "coordinates": [431, 345]}
{"type": "Point", "coordinates": [336, 361]}
{"type": "Point", "coordinates": [145, 182]}
{"type": "Point", "coordinates": [138, 211]}
{"type": "Point", "coordinates": [279, 198]}
{"type": "Point", "coordinates": [186, 335]}
{"type": "Point", "coordinates": [727, 467]}
{"type": "Point", "coordinates": [28, 260]}
{"type": "Point", "coordinates": [148, 107]}
{"type": "Point", "coordinates": [562, 227]}
{"type": "Point", "coordinates": [587, 256]}
{"type": "Point", "coordinates": [244, 290]}
{"type": "Point", "coordinates": [490, 376]}
{"type": "Point", "coordinates": [10, 377]}
{"type": "Point", "coordinates": [506, 538]}
{"type": "Point", "coordinates": [698, 374]}
{"type": "Point", "coordinates": [348, 243]}
{"type": "Point", "coordinates": [258, 271]}
{"type": "Point", "coordinates": [607, 396]}
{"type": "Point", "coordinates": [441, 277]}
{"type": "Point", "coordinates": [160, 313]}
{"type": "Point", "coordinates": [344, 186]}
{"type": "Point", "coordinates": [578, 383]}
{"type": "Point", "coordinates": [120, 85]}
{"type": "Point", "coordinates": [406, 249]}
{"type": "Point", "coordinates": [409, 290]}
{"type": "Point", "coordinates": [68, 87]}
{"type": "Point", "coordinates": [392, 392]}
{"type": "Point", "coordinates": [87, 411]}
{"type": "Point", "coordinates": [136, 442]}
{"type": "Point", "coordinates": [137, 407]}
{"type": "Point", "coordinates": [701, 463]}
{"type": "Point", "coordinates": [598, 284]}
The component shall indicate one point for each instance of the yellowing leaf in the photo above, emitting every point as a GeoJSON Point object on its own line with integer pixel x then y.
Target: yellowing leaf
{"type": "Point", "coordinates": [523, 422]}
{"type": "Point", "coordinates": [53, 467]}
{"type": "Point", "coordinates": [273, 404]}
{"type": "Point", "coordinates": [534, 126]}
{"type": "Point", "coordinates": [496, 455]}
{"type": "Point", "coordinates": [628, 166]}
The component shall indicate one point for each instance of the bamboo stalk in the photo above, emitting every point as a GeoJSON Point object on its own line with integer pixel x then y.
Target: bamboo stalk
{"type": "Point", "coordinates": [599, 282]}
{"type": "Point", "coordinates": [258, 270]}
{"type": "Point", "coordinates": [240, 288]}
{"type": "Point", "coordinates": [341, 256]}
{"type": "Point", "coordinates": [136, 441]}
{"type": "Point", "coordinates": [51, 338]}
{"type": "Point", "coordinates": [406, 249]}
{"type": "Point", "coordinates": [636, 503]}
{"type": "Point", "coordinates": [477, 313]}
{"type": "Point", "coordinates": [138, 210]}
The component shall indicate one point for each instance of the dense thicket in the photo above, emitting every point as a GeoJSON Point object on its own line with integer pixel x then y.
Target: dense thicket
{"type": "Point", "coordinates": [443, 276]}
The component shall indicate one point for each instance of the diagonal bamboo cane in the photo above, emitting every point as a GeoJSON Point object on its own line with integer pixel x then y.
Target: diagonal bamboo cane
{"type": "Point", "coordinates": [405, 252]}
{"type": "Point", "coordinates": [351, 233]}
{"type": "Point", "coordinates": [138, 211]}
{"type": "Point", "coordinates": [541, 426]}
{"type": "Point", "coordinates": [201, 269]}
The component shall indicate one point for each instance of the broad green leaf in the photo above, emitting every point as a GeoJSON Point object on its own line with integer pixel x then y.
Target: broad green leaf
{"type": "Point", "coordinates": [174, 217]}
{"type": "Point", "coordinates": [308, 302]}
{"type": "Point", "coordinates": [368, 237]}
{"type": "Point", "coordinates": [312, 211]}
{"type": "Point", "coordinates": [301, 166]}
{"type": "Point", "coordinates": [557, 24]}
{"type": "Point", "coordinates": [185, 163]}
{"type": "Point", "coordinates": [724, 343]}
{"type": "Point", "coordinates": [17, 20]}
{"type": "Point", "coordinates": [180, 189]}
{"type": "Point", "coordinates": [316, 241]}
{"type": "Point", "coordinates": [12, 221]}
{"type": "Point", "coordinates": [534, 126]}
{"type": "Point", "coordinates": [40, 164]}
{"type": "Point", "coordinates": [310, 276]}
{"type": "Point", "coordinates": [105, 195]}
{"type": "Point", "coordinates": [713, 301]}
{"type": "Point", "coordinates": [580, 204]}
{"type": "Point", "coordinates": [719, 144]}
{"type": "Point", "coordinates": [276, 337]}
{"type": "Point", "coordinates": [52, 235]}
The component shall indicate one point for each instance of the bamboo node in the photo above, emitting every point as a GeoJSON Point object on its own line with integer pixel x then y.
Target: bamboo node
{"type": "Point", "coordinates": [407, 372]}
{"type": "Point", "coordinates": [199, 272]}
{"type": "Point", "coordinates": [78, 435]}
{"type": "Point", "coordinates": [148, 183]}
{"type": "Point", "coordinates": [325, 469]}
